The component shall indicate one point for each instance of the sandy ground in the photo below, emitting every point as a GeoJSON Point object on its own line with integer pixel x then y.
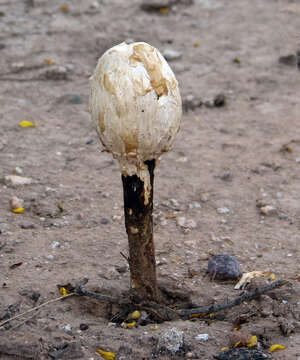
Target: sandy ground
{"type": "Point", "coordinates": [226, 163]}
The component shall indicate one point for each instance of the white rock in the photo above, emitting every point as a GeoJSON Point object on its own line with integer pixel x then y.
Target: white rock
{"type": "Point", "coordinates": [55, 245]}
{"type": "Point", "coordinates": [68, 329]}
{"type": "Point", "coordinates": [191, 224]}
{"type": "Point", "coordinates": [268, 210]}
{"type": "Point", "coordinates": [15, 180]}
{"type": "Point", "coordinates": [174, 203]}
{"type": "Point", "coordinates": [202, 337]}
{"type": "Point", "coordinates": [17, 66]}
{"type": "Point", "coordinates": [188, 224]}
{"type": "Point", "coordinates": [171, 340]}
{"type": "Point", "coordinates": [181, 221]}
{"type": "Point", "coordinates": [171, 54]}
{"type": "Point", "coordinates": [195, 205]}
{"type": "Point", "coordinates": [18, 171]}
{"type": "Point", "coordinates": [223, 210]}
{"type": "Point", "coordinates": [94, 5]}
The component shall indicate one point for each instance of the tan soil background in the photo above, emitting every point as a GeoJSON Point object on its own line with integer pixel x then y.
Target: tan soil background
{"type": "Point", "coordinates": [228, 157]}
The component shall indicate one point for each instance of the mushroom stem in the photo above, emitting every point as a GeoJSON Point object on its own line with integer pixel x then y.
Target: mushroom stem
{"type": "Point", "coordinates": [139, 228]}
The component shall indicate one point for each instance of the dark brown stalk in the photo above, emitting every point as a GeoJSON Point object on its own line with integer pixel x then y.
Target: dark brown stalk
{"type": "Point", "coordinates": [139, 228]}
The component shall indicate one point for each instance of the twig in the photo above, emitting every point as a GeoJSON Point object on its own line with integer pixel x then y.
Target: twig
{"type": "Point", "coordinates": [81, 291]}
{"type": "Point", "coordinates": [24, 321]}
{"type": "Point", "coordinates": [205, 310]}
{"type": "Point", "coordinates": [36, 308]}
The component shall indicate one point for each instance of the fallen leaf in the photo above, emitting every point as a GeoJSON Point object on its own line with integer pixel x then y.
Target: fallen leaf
{"type": "Point", "coordinates": [64, 8]}
{"type": "Point", "coordinates": [49, 62]}
{"type": "Point", "coordinates": [135, 315]}
{"type": "Point", "coordinates": [247, 277]}
{"type": "Point", "coordinates": [163, 10]}
{"type": "Point", "coordinates": [276, 347]}
{"type": "Point", "coordinates": [237, 344]}
{"type": "Point", "coordinates": [196, 43]}
{"type": "Point", "coordinates": [26, 124]}
{"type": "Point", "coordinates": [286, 148]}
{"type": "Point", "coordinates": [63, 291]}
{"type": "Point", "coordinates": [129, 325]}
{"type": "Point", "coordinates": [18, 210]}
{"type": "Point", "coordinates": [253, 341]}
{"type": "Point", "coordinates": [106, 354]}
{"type": "Point", "coordinates": [237, 60]}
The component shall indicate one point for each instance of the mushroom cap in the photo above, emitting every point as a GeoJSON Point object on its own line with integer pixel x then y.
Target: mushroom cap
{"type": "Point", "coordinates": [135, 104]}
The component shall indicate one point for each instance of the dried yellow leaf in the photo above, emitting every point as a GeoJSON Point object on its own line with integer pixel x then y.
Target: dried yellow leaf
{"type": "Point", "coordinates": [63, 291]}
{"type": "Point", "coordinates": [18, 210]}
{"type": "Point", "coordinates": [135, 315]}
{"type": "Point", "coordinates": [163, 10]}
{"type": "Point", "coordinates": [49, 61]}
{"type": "Point", "coordinates": [253, 341]}
{"type": "Point", "coordinates": [247, 277]}
{"type": "Point", "coordinates": [106, 354]}
{"type": "Point", "coordinates": [64, 8]}
{"type": "Point", "coordinates": [237, 344]}
{"type": "Point", "coordinates": [26, 124]}
{"type": "Point", "coordinates": [276, 347]}
{"type": "Point", "coordinates": [195, 315]}
{"type": "Point", "coordinates": [130, 325]}
{"type": "Point", "coordinates": [196, 43]}
{"type": "Point", "coordinates": [225, 348]}
{"type": "Point", "coordinates": [154, 327]}
{"type": "Point", "coordinates": [272, 277]}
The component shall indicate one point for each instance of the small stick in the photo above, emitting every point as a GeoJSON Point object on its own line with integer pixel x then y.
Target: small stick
{"type": "Point", "coordinates": [36, 308]}
{"type": "Point", "coordinates": [205, 310]}
{"type": "Point", "coordinates": [81, 291]}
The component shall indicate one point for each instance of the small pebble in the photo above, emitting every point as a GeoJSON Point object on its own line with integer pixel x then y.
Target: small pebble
{"type": "Point", "coordinates": [94, 5]}
{"type": "Point", "coordinates": [268, 210]}
{"type": "Point", "coordinates": [151, 5]}
{"type": "Point", "coordinates": [17, 66]}
{"type": "Point", "coordinates": [202, 337]}
{"type": "Point", "coordinates": [75, 99]}
{"type": "Point", "coordinates": [224, 267]}
{"type": "Point", "coordinates": [171, 54]}
{"type": "Point", "coordinates": [195, 205]}
{"type": "Point", "coordinates": [223, 210]}
{"type": "Point", "coordinates": [27, 226]}
{"type": "Point", "coordinates": [188, 224]}
{"type": "Point", "coordinates": [18, 171]}
{"type": "Point", "coordinates": [226, 176]}
{"type": "Point", "coordinates": [289, 59]}
{"type": "Point", "coordinates": [104, 221]}
{"type": "Point", "coordinates": [55, 73]}
{"type": "Point", "coordinates": [83, 326]}
{"type": "Point", "coordinates": [68, 329]}
{"type": "Point", "coordinates": [55, 245]}
{"type": "Point", "coordinates": [220, 100]}
{"type": "Point", "coordinates": [171, 340]}
{"type": "Point", "coordinates": [15, 203]}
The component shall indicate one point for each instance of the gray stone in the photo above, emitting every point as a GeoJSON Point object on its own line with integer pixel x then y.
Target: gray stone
{"type": "Point", "coordinates": [224, 267]}
{"type": "Point", "coordinates": [171, 340]}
